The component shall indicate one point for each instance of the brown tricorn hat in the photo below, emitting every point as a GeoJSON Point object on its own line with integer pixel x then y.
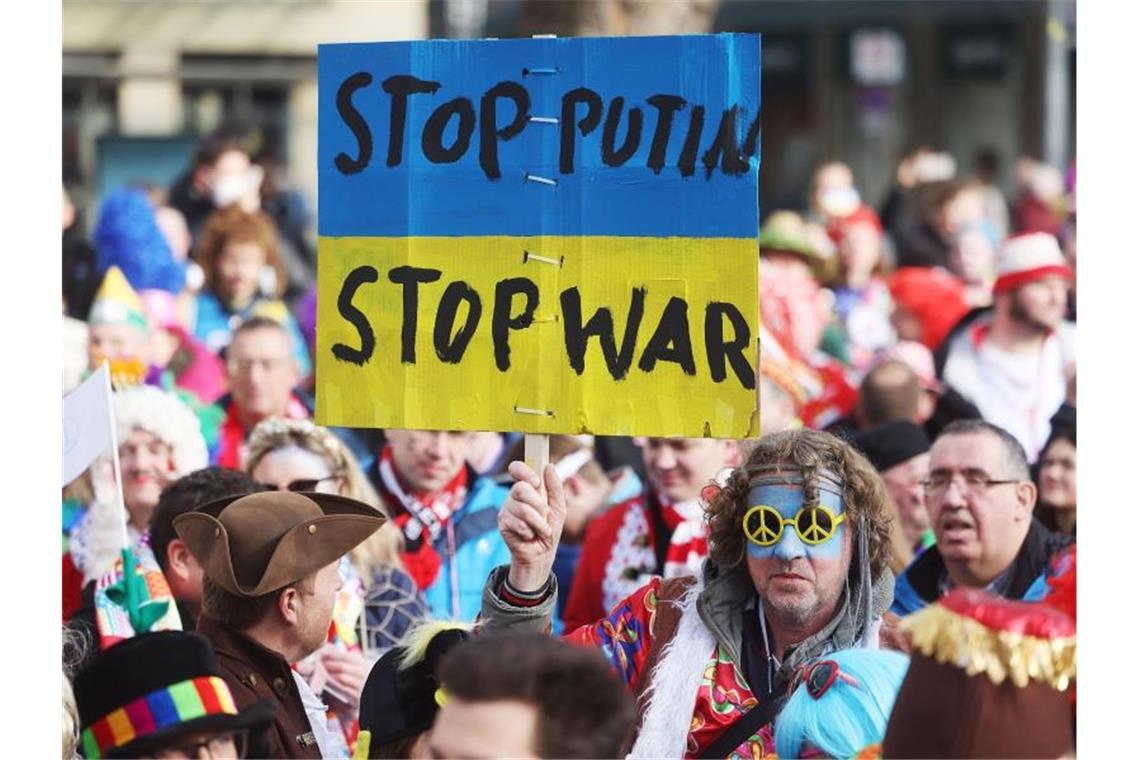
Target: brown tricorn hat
{"type": "Point", "coordinates": [254, 544]}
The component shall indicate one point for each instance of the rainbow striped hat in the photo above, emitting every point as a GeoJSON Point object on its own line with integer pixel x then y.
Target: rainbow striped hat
{"type": "Point", "coordinates": [152, 689]}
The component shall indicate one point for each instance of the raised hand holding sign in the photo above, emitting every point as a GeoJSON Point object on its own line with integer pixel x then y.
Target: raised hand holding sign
{"type": "Point", "coordinates": [531, 525]}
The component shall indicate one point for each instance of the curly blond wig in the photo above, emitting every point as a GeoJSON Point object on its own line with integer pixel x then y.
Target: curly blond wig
{"type": "Point", "coordinates": [805, 453]}
{"type": "Point", "coordinates": [384, 546]}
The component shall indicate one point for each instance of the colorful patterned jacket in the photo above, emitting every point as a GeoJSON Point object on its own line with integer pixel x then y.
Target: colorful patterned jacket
{"type": "Point", "coordinates": [622, 549]}
{"type": "Point", "coordinates": [712, 625]}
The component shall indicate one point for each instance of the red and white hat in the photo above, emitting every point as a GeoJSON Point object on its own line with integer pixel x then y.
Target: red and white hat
{"type": "Point", "coordinates": [1029, 257]}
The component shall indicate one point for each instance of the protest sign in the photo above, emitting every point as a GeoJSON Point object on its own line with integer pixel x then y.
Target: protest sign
{"type": "Point", "coordinates": [543, 235]}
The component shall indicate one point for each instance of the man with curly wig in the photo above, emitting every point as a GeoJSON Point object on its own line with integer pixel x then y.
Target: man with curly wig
{"type": "Point", "coordinates": [797, 568]}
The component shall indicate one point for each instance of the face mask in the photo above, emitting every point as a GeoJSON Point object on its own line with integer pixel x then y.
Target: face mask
{"type": "Point", "coordinates": [267, 281]}
{"type": "Point", "coordinates": [839, 201]}
{"type": "Point", "coordinates": [235, 187]}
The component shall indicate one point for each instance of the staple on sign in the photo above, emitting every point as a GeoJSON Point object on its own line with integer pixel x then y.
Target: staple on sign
{"type": "Point", "coordinates": [538, 320]}
{"type": "Point", "coordinates": [541, 180]}
{"type": "Point", "coordinates": [528, 72]}
{"type": "Point", "coordinates": [545, 119]}
{"type": "Point", "coordinates": [527, 256]}
{"type": "Point", "coordinates": [539, 412]}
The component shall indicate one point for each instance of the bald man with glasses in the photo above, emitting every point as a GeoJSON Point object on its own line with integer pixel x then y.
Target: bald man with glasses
{"type": "Point", "coordinates": [979, 496]}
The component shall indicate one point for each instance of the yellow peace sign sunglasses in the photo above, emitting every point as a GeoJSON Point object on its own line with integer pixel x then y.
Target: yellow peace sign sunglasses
{"type": "Point", "coordinates": [764, 525]}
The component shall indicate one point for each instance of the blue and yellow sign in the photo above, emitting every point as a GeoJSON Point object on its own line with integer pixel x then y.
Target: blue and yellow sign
{"type": "Point", "coordinates": [540, 235]}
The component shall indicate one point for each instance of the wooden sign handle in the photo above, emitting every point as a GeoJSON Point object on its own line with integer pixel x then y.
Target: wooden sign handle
{"type": "Point", "coordinates": [536, 446]}
{"type": "Point", "coordinates": [536, 453]}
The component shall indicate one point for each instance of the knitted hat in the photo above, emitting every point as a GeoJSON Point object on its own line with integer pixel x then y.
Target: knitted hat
{"type": "Point", "coordinates": [147, 692]}
{"type": "Point", "coordinates": [1029, 257]}
{"type": "Point", "coordinates": [128, 237]}
{"type": "Point", "coordinates": [988, 678]}
{"type": "Point", "coordinates": [892, 443]}
{"type": "Point", "coordinates": [117, 303]}
{"type": "Point", "coordinates": [399, 697]}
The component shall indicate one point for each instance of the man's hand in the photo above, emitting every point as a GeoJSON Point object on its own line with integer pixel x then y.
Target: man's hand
{"type": "Point", "coordinates": [891, 635]}
{"type": "Point", "coordinates": [346, 673]}
{"type": "Point", "coordinates": [531, 525]}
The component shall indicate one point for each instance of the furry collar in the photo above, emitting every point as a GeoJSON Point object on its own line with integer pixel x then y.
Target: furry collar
{"type": "Point", "coordinates": [672, 690]}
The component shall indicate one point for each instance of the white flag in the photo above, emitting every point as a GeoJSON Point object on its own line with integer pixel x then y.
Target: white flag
{"type": "Point", "coordinates": [86, 423]}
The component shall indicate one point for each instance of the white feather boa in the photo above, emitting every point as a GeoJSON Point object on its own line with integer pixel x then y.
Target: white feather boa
{"type": "Point", "coordinates": [672, 690]}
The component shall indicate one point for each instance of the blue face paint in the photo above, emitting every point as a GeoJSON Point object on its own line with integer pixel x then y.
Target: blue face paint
{"type": "Point", "coordinates": [787, 500]}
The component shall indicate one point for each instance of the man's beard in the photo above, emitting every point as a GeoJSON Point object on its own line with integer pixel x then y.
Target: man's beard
{"type": "Point", "coordinates": [1020, 315]}
{"type": "Point", "coordinates": [792, 615]}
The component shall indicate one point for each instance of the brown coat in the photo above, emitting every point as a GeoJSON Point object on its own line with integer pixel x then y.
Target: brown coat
{"type": "Point", "coordinates": [663, 628]}
{"type": "Point", "coordinates": [255, 673]}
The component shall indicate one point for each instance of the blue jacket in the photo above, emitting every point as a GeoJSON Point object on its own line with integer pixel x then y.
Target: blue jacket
{"type": "Point", "coordinates": [470, 549]}
{"type": "Point", "coordinates": [917, 585]}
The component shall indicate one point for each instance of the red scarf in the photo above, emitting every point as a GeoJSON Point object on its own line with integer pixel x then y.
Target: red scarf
{"type": "Point", "coordinates": [674, 513]}
{"type": "Point", "coordinates": [232, 450]}
{"type": "Point", "coordinates": [422, 518]}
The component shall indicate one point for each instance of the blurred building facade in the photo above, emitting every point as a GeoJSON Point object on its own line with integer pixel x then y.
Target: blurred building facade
{"type": "Point", "coordinates": [860, 81]}
{"type": "Point", "coordinates": [855, 80]}
{"type": "Point", "coordinates": [142, 81]}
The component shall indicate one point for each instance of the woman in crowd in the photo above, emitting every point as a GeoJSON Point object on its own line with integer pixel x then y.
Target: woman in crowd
{"type": "Point", "coordinates": [244, 278]}
{"type": "Point", "coordinates": [972, 258]}
{"type": "Point", "coordinates": [298, 455]}
{"type": "Point", "coordinates": [1057, 481]}
{"type": "Point", "coordinates": [862, 299]}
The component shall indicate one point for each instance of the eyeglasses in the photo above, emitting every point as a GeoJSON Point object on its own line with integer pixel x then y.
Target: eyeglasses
{"type": "Point", "coordinates": [764, 525]}
{"type": "Point", "coordinates": [218, 746]}
{"type": "Point", "coordinates": [975, 482]}
{"type": "Point", "coordinates": [297, 486]}
{"type": "Point", "coordinates": [818, 677]}
{"type": "Point", "coordinates": [243, 366]}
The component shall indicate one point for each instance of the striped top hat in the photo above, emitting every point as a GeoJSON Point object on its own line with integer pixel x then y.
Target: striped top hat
{"type": "Point", "coordinates": [153, 689]}
{"type": "Point", "coordinates": [1028, 257]}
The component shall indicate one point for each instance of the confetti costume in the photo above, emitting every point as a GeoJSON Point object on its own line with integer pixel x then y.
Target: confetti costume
{"type": "Point", "coordinates": [629, 637]}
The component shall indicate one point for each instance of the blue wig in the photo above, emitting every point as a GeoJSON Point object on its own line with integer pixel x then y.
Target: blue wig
{"type": "Point", "coordinates": [846, 717]}
{"type": "Point", "coordinates": [127, 236]}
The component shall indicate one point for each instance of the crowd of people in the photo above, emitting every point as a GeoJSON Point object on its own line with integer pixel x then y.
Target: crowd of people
{"type": "Point", "coordinates": [833, 588]}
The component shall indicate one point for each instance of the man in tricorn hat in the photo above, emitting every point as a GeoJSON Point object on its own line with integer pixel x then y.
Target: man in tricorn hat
{"type": "Point", "coordinates": [270, 566]}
